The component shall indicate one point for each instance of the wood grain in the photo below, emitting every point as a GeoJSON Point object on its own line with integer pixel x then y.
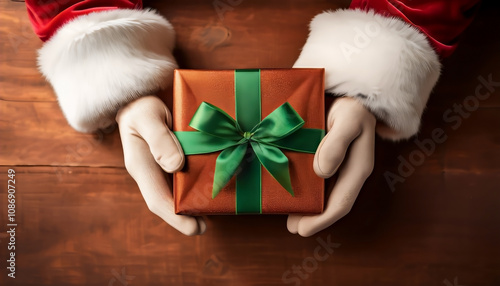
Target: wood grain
{"type": "Point", "coordinates": [19, 78]}
{"type": "Point", "coordinates": [82, 220]}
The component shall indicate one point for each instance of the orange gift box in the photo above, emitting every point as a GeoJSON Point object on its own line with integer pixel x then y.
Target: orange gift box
{"type": "Point", "coordinates": [303, 89]}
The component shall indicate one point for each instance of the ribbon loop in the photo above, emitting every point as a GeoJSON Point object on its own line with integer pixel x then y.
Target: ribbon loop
{"type": "Point", "coordinates": [214, 121]}
{"type": "Point", "coordinates": [283, 121]}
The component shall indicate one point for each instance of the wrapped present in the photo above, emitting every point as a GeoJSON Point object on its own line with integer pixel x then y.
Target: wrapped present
{"type": "Point", "coordinates": [249, 137]}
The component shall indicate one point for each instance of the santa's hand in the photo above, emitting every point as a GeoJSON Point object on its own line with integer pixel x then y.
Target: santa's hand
{"type": "Point", "coordinates": [348, 147]}
{"type": "Point", "coordinates": [148, 147]}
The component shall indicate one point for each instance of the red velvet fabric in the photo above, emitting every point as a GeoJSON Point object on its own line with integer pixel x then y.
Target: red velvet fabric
{"type": "Point", "coordinates": [47, 16]}
{"type": "Point", "coordinates": [442, 21]}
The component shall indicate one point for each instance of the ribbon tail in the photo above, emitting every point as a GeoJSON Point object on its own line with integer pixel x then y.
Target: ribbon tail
{"type": "Point", "coordinates": [275, 162]}
{"type": "Point", "coordinates": [227, 164]}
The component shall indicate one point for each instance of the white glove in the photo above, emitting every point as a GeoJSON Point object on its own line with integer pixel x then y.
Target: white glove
{"type": "Point", "coordinates": [348, 147]}
{"type": "Point", "coordinates": [148, 147]}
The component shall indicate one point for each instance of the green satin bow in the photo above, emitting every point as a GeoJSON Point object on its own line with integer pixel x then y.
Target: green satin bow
{"type": "Point", "coordinates": [218, 131]}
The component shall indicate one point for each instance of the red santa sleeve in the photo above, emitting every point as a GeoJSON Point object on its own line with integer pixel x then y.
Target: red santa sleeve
{"type": "Point", "coordinates": [99, 55]}
{"type": "Point", "coordinates": [386, 54]}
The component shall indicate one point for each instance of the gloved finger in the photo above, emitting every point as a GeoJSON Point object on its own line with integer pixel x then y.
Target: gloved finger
{"type": "Point", "coordinates": [354, 172]}
{"type": "Point", "coordinates": [332, 149]}
{"type": "Point", "coordinates": [155, 188]}
{"type": "Point", "coordinates": [150, 119]}
{"type": "Point", "coordinates": [292, 223]}
{"type": "Point", "coordinates": [202, 225]}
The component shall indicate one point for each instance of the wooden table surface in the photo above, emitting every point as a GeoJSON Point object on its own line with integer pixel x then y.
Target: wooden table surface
{"type": "Point", "coordinates": [82, 221]}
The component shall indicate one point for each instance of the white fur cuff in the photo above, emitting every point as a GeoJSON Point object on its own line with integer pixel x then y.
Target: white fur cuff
{"type": "Point", "coordinates": [101, 61]}
{"type": "Point", "coordinates": [385, 63]}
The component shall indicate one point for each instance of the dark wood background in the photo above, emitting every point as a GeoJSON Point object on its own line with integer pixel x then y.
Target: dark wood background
{"type": "Point", "coordinates": [82, 221]}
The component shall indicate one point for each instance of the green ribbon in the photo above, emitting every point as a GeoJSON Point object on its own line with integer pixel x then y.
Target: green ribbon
{"type": "Point", "coordinates": [246, 138]}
